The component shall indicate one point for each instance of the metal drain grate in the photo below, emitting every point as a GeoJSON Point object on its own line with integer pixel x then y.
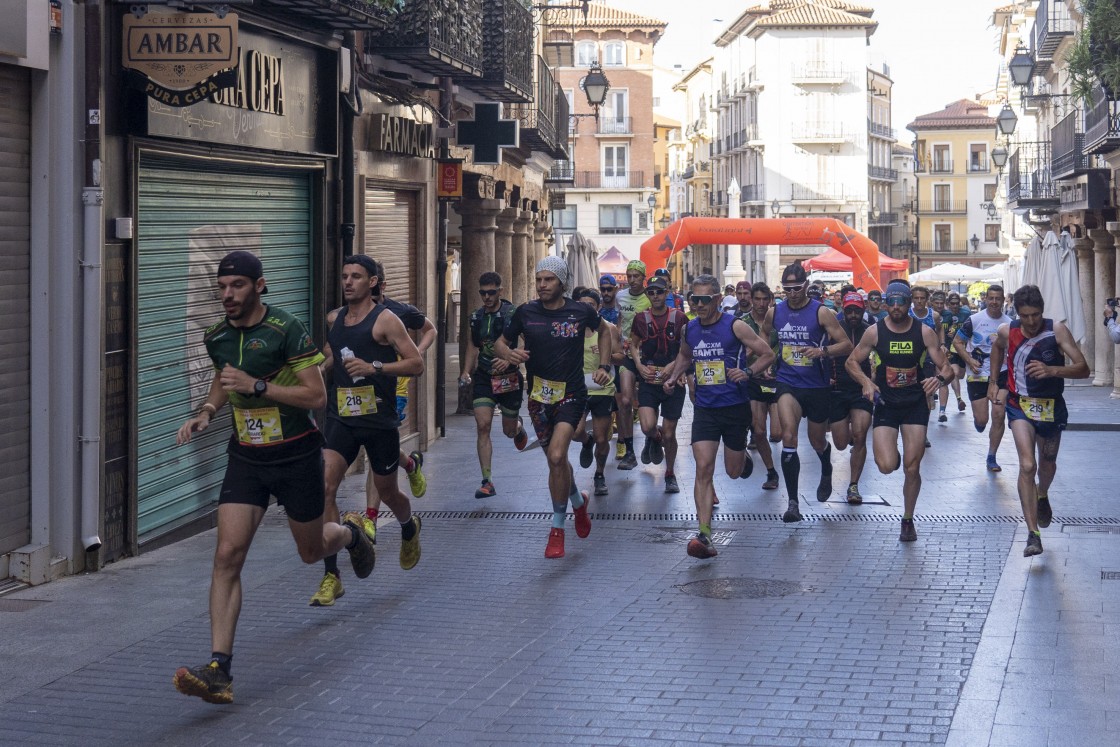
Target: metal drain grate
{"type": "Point", "coordinates": [1110, 575]}
{"type": "Point", "coordinates": [742, 588]}
{"type": "Point", "coordinates": [1097, 523]}
{"type": "Point", "coordinates": [675, 535]}
{"type": "Point", "coordinates": [20, 605]}
{"type": "Point", "coordinates": [8, 585]}
{"type": "Point", "coordinates": [1070, 528]}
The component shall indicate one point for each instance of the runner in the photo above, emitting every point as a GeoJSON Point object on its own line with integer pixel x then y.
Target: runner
{"type": "Point", "coordinates": [974, 344]}
{"type": "Point", "coordinates": [366, 349]}
{"type": "Point", "coordinates": [850, 412]}
{"type": "Point", "coordinates": [715, 343]}
{"type": "Point", "coordinates": [553, 328]}
{"type": "Point", "coordinates": [630, 302]}
{"type": "Point", "coordinates": [495, 384]}
{"type": "Point", "coordinates": [951, 320]}
{"type": "Point", "coordinates": [900, 392]}
{"type": "Point", "coordinates": [802, 324]}
{"type": "Point", "coordinates": [600, 399]}
{"type": "Point", "coordinates": [762, 388]}
{"type": "Point", "coordinates": [1036, 350]}
{"type": "Point", "coordinates": [608, 309]}
{"type": "Point", "coordinates": [275, 450]}
{"type": "Point", "coordinates": [655, 341]}
{"type": "Point", "coordinates": [875, 310]}
{"type": "Point", "coordinates": [926, 315]}
{"type": "Point", "coordinates": [673, 299]}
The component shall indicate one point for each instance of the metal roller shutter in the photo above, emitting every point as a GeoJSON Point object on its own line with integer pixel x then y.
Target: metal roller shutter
{"type": "Point", "coordinates": [390, 238]}
{"type": "Point", "coordinates": [190, 214]}
{"type": "Point", "coordinates": [15, 331]}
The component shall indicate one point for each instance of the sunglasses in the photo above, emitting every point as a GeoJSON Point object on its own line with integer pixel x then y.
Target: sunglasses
{"type": "Point", "coordinates": [701, 299]}
{"type": "Point", "coordinates": [487, 293]}
{"type": "Point", "coordinates": [655, 291]}
{"type": "Point", "coordinates": [793, 288]}
{"type": "Point", "coordinates": [898, 301]}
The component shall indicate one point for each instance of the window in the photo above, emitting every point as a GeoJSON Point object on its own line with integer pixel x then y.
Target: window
{"type": "Point", "coordinates": [942, 163]}
{"type": "Point", "coordinates": [978, 157]}
{"type": "Point", "coordinates": [989, 192]}
{"type": "Point", "coordinates": [942, 237]}
{"type": "Point", "coordinates": [614, 53]}
{"type": "Point", "coordinates": [614, 167]}
{"type": "Point", "coordinates": [586, 53]}
{"type": "Point", "coordinates": [565, 220]}
{"type": "Point", "coordinates": [613, 119]}
{"type": "Point", "coordinates": [942, 198]}
{"type": "Point", "coordinates": [991, 232]}
{"type": "Point", "coordinates": [615, 219]}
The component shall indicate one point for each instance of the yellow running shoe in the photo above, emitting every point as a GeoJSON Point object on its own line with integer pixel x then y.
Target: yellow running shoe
{"type": "Point", "coordinates": [410, 549]}
{"type": "Point", "coordinates": [369, 528]}
{"type": "Point", "coordinates": [330, 589]}
{"type": "Point", "coordinates": [416, 481]}
{"type": "Point", "coordinates": [619, 450]}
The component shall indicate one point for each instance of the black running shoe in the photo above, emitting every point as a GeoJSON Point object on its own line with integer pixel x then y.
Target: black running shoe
{"type": "Point", "coordinates": [601, 485]}
{"type": "Point", "coordinates": [942, 418]}
{"type": "Point", "coordinates": [628, 461]}
{"type": "Point", "coordinates": [771, 480]}
{"type": "Point", "coordinates": [362, 555]}
{"type": "Point", "coordinates": [656, 451]}
{"type": "Point", "coordinates": [792, 514]}
{"type": "Point", "coordinates": [1034, 545]}
{"type": "Point", "coordinates": [908, 533]}
{"type": "Point", "coordinates": [646, 456]}
{"type": "Point", "coordinates": [671, 485]}
{"type": "Point", "coordinates": [208, 682]}
{"type": "Point", "coordinates": [748, 466]}
{"type": "Point", "coordinates": [586, 452]}
{"type": "Point", "coordinates": [824, 487]}
{"type": "Point", "coordinates": [1045, 514]}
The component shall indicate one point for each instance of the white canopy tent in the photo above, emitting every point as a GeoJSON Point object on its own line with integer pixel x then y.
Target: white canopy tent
{"type": "Point", "coordinates": [953, 272]}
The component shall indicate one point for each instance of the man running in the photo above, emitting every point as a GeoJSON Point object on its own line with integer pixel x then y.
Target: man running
{"type": "Point", "coordinates": [973, 344]}
{"type": "Point", "coordinates": [850, 412]}
{"type": "Point", "coordinates": [900, 392]}
{"type": "Point", "coordinates": [266, 367]}
{"type": "Point", "coordinates": [553, 328]}
{"type": "Point", "coordinates": [952, 318]}
{"type": "Point", "coordinates": [672, 300]}
{"type": "Point", "coordinates": [714, 347]}
{"type": "Point", "coordinates": [802, 324]}
{"type": "Point", "coordinates": [923, 313]}
{"type": "Point", "coordinates": [875, 310]}
{"type": "Point", "coordinates": [655, 341]}
{"type": "Point", "coordinates": [367, 347]}
{"type": "Point", "coordinates": [762, 388]}
{"type": "Point", "coordinates": [1036, 350]}
{"type": "Point", "coordinates": [608, 289]}
{"type": "Point", "coordinates": [494, 382]}
{"type": "Point", "coordinates": [630, 302]}
{"type": "Point", "coordinates": [600, 399]}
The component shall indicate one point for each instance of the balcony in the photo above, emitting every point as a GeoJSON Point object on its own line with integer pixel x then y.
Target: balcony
{"type": "Point", "coordinates": [1067, 148]}
{"type": "Point", "coordinates": [821, 133]}
{"type": "Point", "coordinates": [959, 246]}
{"type": "Point", "coordinates": [943, 207]}
{"type": "Point", "coordinates": [883, 219]}
{"type": "Point", "coordinates": [881, 130]}
{"type": "Point", "coordinates": [562, 172]}
{"type": "Point", "coordinates": [819, 72]}
{"type": "Point", "coordinates": [339, 15]}
{"type": "Point", "coordinates": [507, 34]}
{"type": "Point", "coordinates": [883, 174]}
{"type": "Point", "coordinates": [941, 166]}
{"type": "Point", "coordinates": [611, 180]}
{"type": "Point", "coordinates": [1052, 23]}
{"type": "Point", "coordinates": [1102, 124]}
{"type": "Point", "coordinates": [545, 124]}
{"type": "Point", "coordinates": [1029, 183]}
{"type": "Point", "coordinates": [609, 124]}
{"type": "Point", "coordinates": [819, 193]}
{"type": "Point", "coordinates": [979, 166]}
{"type": "Point", "coordinates": [752, 193]}
{"type": "Point", "coordinates": [753, 81]}
{"type": "Point", "coordinates": [439, 37]}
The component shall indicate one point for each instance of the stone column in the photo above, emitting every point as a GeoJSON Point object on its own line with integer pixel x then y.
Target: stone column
{"type": "Point", "coordinates": [503, 248]}
{"type": "Point", "coordinates": [1084, 250]}
{"type": "Point", "coordinates": [522, 238]}
{"type": "Point", "coordinates": [542, 236]}
{"type": "Point", "coordinates": [1095, 319]}
{"type": "Point", "coordinates": [1104, 278]}
{"type": "Point", "coordinates": [478, 229]}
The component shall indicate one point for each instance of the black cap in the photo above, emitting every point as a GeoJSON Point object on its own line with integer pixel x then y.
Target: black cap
{"type": "Point", "coordinates": [657, 282]}
{"type": "Point", "coordinates": [245, 264]}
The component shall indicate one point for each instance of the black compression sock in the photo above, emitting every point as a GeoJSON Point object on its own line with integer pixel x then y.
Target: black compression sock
{"type": "Point", "coordinates": [791, 470]}
{"type": "Point", "coordinates": [331, 563]}
{"type": "Point", "coordinates": [353, 536]}
{"type": "Point", "coordinates": [826, 460]}
{"type": "Point", "coordinates": [408, 530]}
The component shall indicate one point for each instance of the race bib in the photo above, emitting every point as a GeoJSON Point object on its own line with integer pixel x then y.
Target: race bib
{"type": "Point", "coordinates": [768, 389]}
{"type": "Point", "coordinates": [901, 377]}
{"type": "Point", "coordinates": [356, 400]}
{"type": "Point", "coordinates": [1038, 409]}
{"type": "Point", "coordinates": [710, 373]}
{"type": "Point", "coordinates": [258, 427]}
{"type": "Point", "coordinates": [504, 384]}
{"type": "Point", "coordinates": [793, 356]}
{"type": "Point", "coordinates": [547, 392]}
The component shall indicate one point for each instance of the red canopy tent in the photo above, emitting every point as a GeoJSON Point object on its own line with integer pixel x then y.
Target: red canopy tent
{"type": "Point", "coordinates": [836, 261]}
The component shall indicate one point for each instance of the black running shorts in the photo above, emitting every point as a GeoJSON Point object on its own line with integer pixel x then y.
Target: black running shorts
{"type": "Point", "coordinates": [814, 402]}
{"type": "Point", "coordinates": [1044, 429]}
{"type": "Point", "coordinates": [545, 417]}
{"type": "Point", "coordinates": [600, 405]}
{"type": "Point", "coordinates": [979, 389]}
{"type": "Point", "coordinates": [654, 396]}
{"type": "Point", "coordinates": [727, 423]}
{"type": "Point", "coordinates": [297, 485]}
{"type": "Point", "coordinates": [383, 445]}
{"type": "Point", "coordinates": [843, 401]}
{"type": "Point", "coordinates": [760, 392]}
{"type": "Point", "coordinates": [482, 395]}
{"type": "Point", "coordinates": [896, 416]}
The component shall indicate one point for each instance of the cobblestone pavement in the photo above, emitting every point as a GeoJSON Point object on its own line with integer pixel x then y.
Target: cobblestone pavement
{"type": "Point", "coordinates": [828, 632]}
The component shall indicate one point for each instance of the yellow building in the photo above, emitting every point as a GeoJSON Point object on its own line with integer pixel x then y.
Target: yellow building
{"type": "Point", "coordinates": [955, 186]}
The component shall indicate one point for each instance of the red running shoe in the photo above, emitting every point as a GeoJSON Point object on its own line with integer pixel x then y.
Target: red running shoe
{"type": "Point", "coordinates": [521, 439]}
{"type": "Point", "coordinates": [555, 546]}
{"type": "Point", "coordinates": [701, 547]}
{"type": "Point", "coordinates": [583, 521]}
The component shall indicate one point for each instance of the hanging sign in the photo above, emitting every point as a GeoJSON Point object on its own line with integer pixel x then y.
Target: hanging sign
{"type": "Point", "coordinates": [449, 179]}
{"type": "Point", "coordinates": [180, 59]}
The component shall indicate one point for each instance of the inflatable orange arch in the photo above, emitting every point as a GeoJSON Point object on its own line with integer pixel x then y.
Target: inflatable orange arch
{"type": "Point", "coordinates": [761, 231]}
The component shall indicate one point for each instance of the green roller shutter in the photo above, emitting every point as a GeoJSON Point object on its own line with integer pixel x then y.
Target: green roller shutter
{"type": "Point", "coordinates": [190, 214]}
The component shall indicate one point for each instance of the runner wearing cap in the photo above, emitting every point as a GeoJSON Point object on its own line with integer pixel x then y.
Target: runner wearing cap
{"type": "Point", "coordinates": [850, 412]}
{"type": "Point", "coordinates": [596, 444]}
{"type": "Point", "coordinates": [608, 288]}
{"type": "Point", "coordinates": [672, 300]}
{"type": "Point", "coordinates": [762, 388]}
{"type": "Point", "coordinates": [1036, 350]}
{"type": "Point", "coordinates": [630, 302]}
{"type": "Point", "coordinates": [265, 366]}
{"type": "Point", "coordinates": [951, 320]}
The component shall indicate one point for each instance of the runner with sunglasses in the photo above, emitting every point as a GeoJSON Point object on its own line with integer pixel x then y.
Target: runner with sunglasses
{"type": "Point", "coordinates": [754, 303]}
{"type": "Point", "coordinates": [495, 384]}
{"type": "Point", "coordinates": [850, 413]}
{"type": "Point", "coordinates": [899, 391]}
{"type": "Point", "coordinates": [596, 444]}
{"type": "Point", "coordinates": [631, 302]}
{"type": "Point", "coordinates": [714, 346]}
{"type": "Point", "coordinates": [803, 324]}
{"type": "Point", "coordinates": [951, 320]}
{"type": "Point", "coordinates": [974, 344]}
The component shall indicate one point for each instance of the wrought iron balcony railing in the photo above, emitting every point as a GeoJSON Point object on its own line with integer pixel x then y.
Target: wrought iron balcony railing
{"type": "Point", "coordinates": [609, 124]}
{"type": "Point", "coordinates": [609, 180]}
{"type": "Point", "coordinates": [882, 173]}
{"type": "Point", "coordinates": [1102, 124]}
{"type": "Point", "coordinates": [979, 166]}
{"type": "Point", "coordinates": [440, 37]}
{"type": "Point", "coordinates": [545, 122]}
{"type": "Point", "coordinates": [507, 33]}
{"type": "Point", "coordinates": [562, 172]}
{"type": "Point", "coordinates": [752, 193]}
{"type": "Point", "coordinates": [943, 207]}
{"type": "Point", "coordinates": [1067, 147]}
{"type": "Point", "coordinates": [820, 193]}
{"type": "Point", "coordinates": [1052, 23]}
{"type": "Point", "coordinates": [1029, 181]}
{"type": "Point", "coordinates": [959, 246]}
{"type": "Point", "coordinates": [335, 14]}
{"type": "Point", "coordinates": [881, 130]}
{"type": "Point", "coordinates": [882, 219]}
{"type": "Point", "coordinates": [941, 166]}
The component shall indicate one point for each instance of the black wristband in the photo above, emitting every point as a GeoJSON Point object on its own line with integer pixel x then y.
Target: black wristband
{"type": "Point", "coordinates": [942, 379]}
{"type": "Point", "coordinates": [606, 367]}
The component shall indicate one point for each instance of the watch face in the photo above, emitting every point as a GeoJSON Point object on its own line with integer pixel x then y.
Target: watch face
{"type": "Point", "coordinates": [260, 386]}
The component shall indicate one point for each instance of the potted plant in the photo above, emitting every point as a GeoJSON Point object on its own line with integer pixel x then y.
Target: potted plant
{"type": "Point", "coordinates": [1094, 58]}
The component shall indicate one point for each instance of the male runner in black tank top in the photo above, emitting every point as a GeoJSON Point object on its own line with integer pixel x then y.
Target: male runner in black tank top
{"type": "Point", "coordinates": [361, 407]}
{"type": "Point", "coordinates": [899, 392]}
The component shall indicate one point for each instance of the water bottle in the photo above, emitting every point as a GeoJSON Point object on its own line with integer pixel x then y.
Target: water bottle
{"type": "Point", "coordinates": [347, 354]}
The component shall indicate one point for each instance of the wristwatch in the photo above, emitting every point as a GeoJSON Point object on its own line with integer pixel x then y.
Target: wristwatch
{"type": "Point", "coordinates": [377, 366]}
{"type": "Point", "coordinates": [260, 387]}
{"type": "Point", "coordinates": [605, 367]}
{"type": "Point", "coordinates": [941, 378]}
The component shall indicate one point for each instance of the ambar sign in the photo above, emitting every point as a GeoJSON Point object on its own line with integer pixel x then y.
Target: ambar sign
{"type": "Point", "coordinates": [180, 56]}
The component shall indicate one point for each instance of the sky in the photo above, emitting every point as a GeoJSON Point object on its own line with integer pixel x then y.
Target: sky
{"type": "Point", "coordinates": [937, 52]}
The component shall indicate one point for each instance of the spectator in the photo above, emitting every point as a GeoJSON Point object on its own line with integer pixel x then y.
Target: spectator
{"type": "Point", "coordinates": [1110, 321]}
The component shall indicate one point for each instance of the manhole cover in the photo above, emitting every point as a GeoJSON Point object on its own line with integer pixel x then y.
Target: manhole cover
{"type": "Point", "coordinates": [672, 535]}
{"type": "Point", "coordinates": [741, 588]}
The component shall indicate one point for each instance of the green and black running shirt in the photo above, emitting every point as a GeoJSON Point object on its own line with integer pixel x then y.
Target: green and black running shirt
{"type": "Point", "coordinates": [274, 349]}
{"type": "Point", "coordinates": [486, 328]}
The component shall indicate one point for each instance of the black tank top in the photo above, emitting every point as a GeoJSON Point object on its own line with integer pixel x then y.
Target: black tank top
{"type": "Point", "coordinates": [371, 402]}
{"type": "Point", "coordinates": [898, 374]}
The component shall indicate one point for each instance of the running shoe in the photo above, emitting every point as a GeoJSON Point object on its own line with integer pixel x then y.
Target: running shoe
{"type": "Point", "coordinates": [700, 546]}
{"type": "Point", "coordinates": [752, 444]}
{"type": "Point", "coordinates": [330, 589]}
{"type": "Point", "coordinates": [647, 457]}
{"type": "Point", "coordinates": [410, 549]}
{"type": "Point", "coordinates": [657, 449]}
{"type": "Point", "coordinates": [748, 466]}
{"type": "Point", "coordinates": [715, 501]}
{"type": "Point", "coordinates": [520, 439]}
{"type": "Point", "coordinates": [908, 533]}
{"type": "Point", "coordinates": [555, 546]}
{"type": "Point", "coordinates": [629, 461]}
{"type": "Point", "coordinates": [208, 682]}
{"type": "Point", "coordinates": [362, 555]}
{"type": "Point", "coordinates": [601, 485]}
{"type": "Point", "coordinates": [824, 487]}
{"type": "Point", "coordinates": [992, 466]}
{"type": "Point", "coordinates": [928, 444]}
{"type": "Point", "coordinates": [793, 513]}
{"type": "Point", "coordinates": [1045, 514]}
{"type": "Point", "coordinates": [486, 491]}
{"type": "Point", "coordinates": [1034, 545]}
{"type": "Point", "coordinates": [587, 450]}
{"type": "Point", "coordinates": [942, 418]}
{"type": "Point", "coordinates": [619, 450]}
{"type": "Point", "coordinates": [771, 480]}
{"type": "Point", "coordinates": [370, 528]}
{"type": "Point", "coordinates": [583, 521]}
{"type": "Point", "coordinates": [960, 405]}
{"type": "Point", "coordinates": [854, 498]}
{"type": "Point", "coordinates": [416, 481]}
{"type": "Point", "coordinates": [671, 485]}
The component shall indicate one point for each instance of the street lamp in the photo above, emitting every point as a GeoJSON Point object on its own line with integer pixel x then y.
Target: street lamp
{"type": "Point", "coordinates": [596, 85]}
{"type": "Point", "coordinates": [652, 201]}
{"type": "Point", "coordinates": [975, 241]}
{"type": "Point", "coordinates": [1021, 66]}
{"type": "Point", "coordinates": [775, 208]}
{"type": "Point", "coordinates": [665, 221]}
{"type": "Point", "coordinates": [999, 156]}
{"type": "Point", "coordinates": [1007, 120]}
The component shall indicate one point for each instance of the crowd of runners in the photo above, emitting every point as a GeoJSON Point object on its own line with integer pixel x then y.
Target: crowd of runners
{"type": "Point", "coordinates": [590, 363]}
